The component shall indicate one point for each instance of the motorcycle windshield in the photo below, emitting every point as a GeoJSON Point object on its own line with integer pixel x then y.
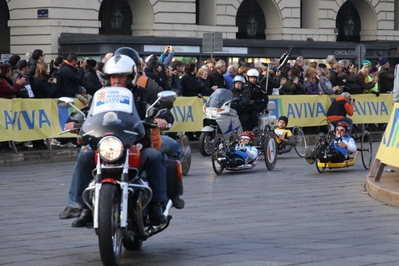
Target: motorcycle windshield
{"type": "Point", "coordinates": [112, 112]}
{"type": "Point", "coordinates": [219, 97]}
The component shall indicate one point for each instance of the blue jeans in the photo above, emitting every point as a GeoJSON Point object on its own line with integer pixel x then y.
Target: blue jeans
{"type": "Point", "coordinates": [151, 161]}
{"type": "Point", "coordinates": [170, 147]}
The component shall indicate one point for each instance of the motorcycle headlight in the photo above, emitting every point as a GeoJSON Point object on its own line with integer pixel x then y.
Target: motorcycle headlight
{"type": "Point", "coordinates": [110, 149]}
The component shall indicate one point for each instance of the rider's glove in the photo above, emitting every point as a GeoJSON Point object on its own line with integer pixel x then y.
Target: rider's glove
{"type": "Point", "coordinates": [242, 147]}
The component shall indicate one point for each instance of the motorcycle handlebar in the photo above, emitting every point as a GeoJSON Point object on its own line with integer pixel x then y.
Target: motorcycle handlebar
{"type": "Point", "coordinates": [67, 131]}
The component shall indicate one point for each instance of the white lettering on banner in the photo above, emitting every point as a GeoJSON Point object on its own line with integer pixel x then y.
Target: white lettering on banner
{"type": "Point", "coordinates": [370, 108]}
{"type": "Point", "coordinates": [233, 50]}
{"type": "Point", "coordinates": [183, 113]}
{"type": "Point", "coordinates": [345, 52]}
{"type": "Point", "coordinates": [304, 110]}
{"type": "Point", "coordinates": [178, 49]}
{"type": "Point", "coordinates": [15, 117]}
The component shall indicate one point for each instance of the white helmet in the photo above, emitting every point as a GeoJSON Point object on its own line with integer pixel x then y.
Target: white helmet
{"type": "Point", "coordinates": [253, 73]}
{"type": "Point", "coordinates": [122, 65]}
{"type": "Point", "coordinates": [238, 79]}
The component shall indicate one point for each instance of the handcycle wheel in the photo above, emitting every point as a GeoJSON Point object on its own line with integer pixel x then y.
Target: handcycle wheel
{"type": "Point", "coordinates": [317, 152]}
{"type": "Point", "coordinates": [300, 141]}
{"type": "Point", "coordinates": [186, 153]}
{"type": "Point", "coordinates": [270, 150]}
{"type": "Point", "coordinates": [219, 151]}
{"type": "Point", "coordinates": [366, 149]}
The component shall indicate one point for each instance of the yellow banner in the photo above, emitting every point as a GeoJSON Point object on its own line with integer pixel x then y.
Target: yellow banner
{"type": "Point", "coordinates": [31, 119]}
{"type": "Point", "coordinates": [389, 146]}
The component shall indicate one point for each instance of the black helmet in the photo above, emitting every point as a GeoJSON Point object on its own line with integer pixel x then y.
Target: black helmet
{"type": "Point", "coordinates": [131, 53]}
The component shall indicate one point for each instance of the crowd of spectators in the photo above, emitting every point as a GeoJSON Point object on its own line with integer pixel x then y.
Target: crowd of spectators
{"type": "Point", "coordinates": [68, 76]}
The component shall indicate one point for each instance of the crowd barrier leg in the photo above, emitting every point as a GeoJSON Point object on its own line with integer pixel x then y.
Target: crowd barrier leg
{"type": "Point", "coordinates": [48, 143]}
{"type": "Point", "coordinates": [376, 170]}
{"type": "Point", "coordinates": [13, 147]}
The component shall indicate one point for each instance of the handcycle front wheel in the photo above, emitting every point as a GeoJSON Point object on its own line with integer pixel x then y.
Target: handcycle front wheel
{"type": "Point", "coordinates": [218, 151]}
{"type": "Point", "coordinates": [300, 141]}
{"type": "Point", "coordinates": [320, 166]}
{"type": "Point", "coordinates": [366, 149]}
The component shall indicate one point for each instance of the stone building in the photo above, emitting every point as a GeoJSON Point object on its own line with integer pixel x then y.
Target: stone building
{"type": "Point", "coordinates": [255, 29]}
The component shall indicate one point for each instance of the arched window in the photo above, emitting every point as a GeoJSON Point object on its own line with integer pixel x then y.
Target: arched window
{"type": "Point", "coordinates": [348, 23]}
{"type": "Point", "coordinates": [250, 21]}
{"type": "Point", "coordinates": [115, 17]}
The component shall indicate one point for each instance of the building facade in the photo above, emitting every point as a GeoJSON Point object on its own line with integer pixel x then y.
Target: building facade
{"type": "Point", "coordinates": [256, 29]}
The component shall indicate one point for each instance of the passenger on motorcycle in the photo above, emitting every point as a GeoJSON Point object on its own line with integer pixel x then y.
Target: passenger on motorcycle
{"type": "Point", "coordinates": [121, 71]}
{"type": "Point", "coordinates": [284, 138]}
{"type": "Point", "coordinates": [245, 153]}
{"type": "Point", "coordinates": [259, 98]}
{"type": "Point", "coordinates": [343, 145]}
{"type": "Point", "coordinates": [241, 101]}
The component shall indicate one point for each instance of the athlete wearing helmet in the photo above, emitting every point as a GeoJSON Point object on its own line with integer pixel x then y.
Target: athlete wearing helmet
{"type": "Point", "coordinates": [241, 101]}
{"type": "Point", "coordinates": [121, 71]}
{"type": "Point", "coordinates": [339, 109]}
{"type": "Point", "coordinates": [259, 98]}
{"type": "Point", "coordinates": [245, 153]}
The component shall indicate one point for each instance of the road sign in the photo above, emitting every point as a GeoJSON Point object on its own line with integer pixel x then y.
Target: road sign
{"type": "Point", "coordinates": [212, 42]}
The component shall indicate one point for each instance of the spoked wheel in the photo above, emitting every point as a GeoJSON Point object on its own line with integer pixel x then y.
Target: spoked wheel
{"type": "Point", "coordinates": [219, 148]}
{"type": "Point", "coordinates": [366, 149]}
{"type": "Point", "coordinates": [300, 141]}
{"type": "Point", "coordinates": [186, 153]}
{"type": "Point", "coordinates": [270, 150]}
{"type": "Point", "coordinates": [205, 143]}
{"type": "Point", "coordinates": [320, 166]}
{"type": "Point", "coordinates": [258, 136]}
{"type": "Point", "coordinates": [109, 231]}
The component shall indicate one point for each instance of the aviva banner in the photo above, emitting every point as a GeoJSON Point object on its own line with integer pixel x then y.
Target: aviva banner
{"type": "Point", "coordinates": [389, 146]}
{"type": "Point", "coordinates": [31, 119]}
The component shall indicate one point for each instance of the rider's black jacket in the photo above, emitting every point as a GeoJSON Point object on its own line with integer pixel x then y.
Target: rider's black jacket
{"type": "Point", "coordinates": [143, 99]}
{"type": "Point", "coordinates": [241, 106]}
{"type": "Point", "coordinates": [259, 96]}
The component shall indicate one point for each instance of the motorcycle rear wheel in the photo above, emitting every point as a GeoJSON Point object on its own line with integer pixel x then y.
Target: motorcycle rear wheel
{"type": "Point", "coordinates": [219, 151]}
{"type": "Point", "coordinates": [109, 232]}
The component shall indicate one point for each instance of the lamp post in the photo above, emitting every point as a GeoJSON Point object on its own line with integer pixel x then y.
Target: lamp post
{"type": "Point", "coordinates": [116, 17]}
{"type": "Point", "coordinates": [252, 25]}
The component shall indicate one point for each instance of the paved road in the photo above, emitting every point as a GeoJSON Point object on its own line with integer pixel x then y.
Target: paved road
{"type": "Point", "coordinates": [291, 216]}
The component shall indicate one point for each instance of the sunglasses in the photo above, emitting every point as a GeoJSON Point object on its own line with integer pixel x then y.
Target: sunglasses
{"type": "Point", "coordinates": [245, 137]}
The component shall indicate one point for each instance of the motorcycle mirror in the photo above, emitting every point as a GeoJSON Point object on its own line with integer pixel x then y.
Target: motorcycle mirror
{"type": "Point", "coordinates": [65, 102]}
{"type": "Point", "coordinates": [167, 96]}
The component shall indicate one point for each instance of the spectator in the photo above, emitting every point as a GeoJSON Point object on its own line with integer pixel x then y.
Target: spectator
{"type": "Point", "coordinates": [331, 61]}
{"type": "Point", "coordinates": [154, 71]}
{"type": "Point", "coordinates": [83, 96]}
{"type": "Point", "coordinates": [90, 81]}
{"type": "Point", "coordinates": [347, 77]}
{"type": "Point", "coordinates": [311, 85]}
{"type": "Point", "coordinates": [22, 71]}
{"type": "Point", "coordinates": [229, 76]}
{"type": "Point", "coordinates": [313, 64]}
{"type": "Point", "coordinates": [100, 73]}
{"type": "Point", "coordinates": [325, 85]}
{"type": "Point", "coordinates": [297, 79]}
{"type": "Point", "coordinates": [42, 86]}
{"type": "Point", "coordinates": [385, 77]}
{"type": "Point", "coordinates": [7, 88]}
{"type": "Point", "coordinates": [337, 68]}
{"type": "Point", "coordinates": [299, 62]}
{"type": "Point", "coordinates": [242, 71]}
{"type": "Point", "coordinates": [168, 53]}
{"type": "Point", "coordinates": [71, 75]}
{"type": "Point", "coordinates": [202, 75]}
{"type": "Point", "coordinates": [106, 57]}
{"type": "Point", "coordinates": [189, 82]}
{"type": "Point", "coordinates": [13, 61]}
{"type": "Point", "coordinates": [177, 69]}
{"type": "Point", "coordinates": [37, 56]}
{"type": "Point", "coordinates": [55, 66]}
{"type": "Point", "coordinates": [361, 78]}
{"type": "Point", "coordinates": [372, 75]}
{"type": "Point", "coordinates": [272, 78]}
{"type": "Point", "coordinates": [288, 85]}
{"type": "Point", "coordinates": [217, 78]}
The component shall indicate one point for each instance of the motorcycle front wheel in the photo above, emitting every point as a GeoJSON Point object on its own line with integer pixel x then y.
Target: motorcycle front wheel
{"type": "Point", "coordinates": [109, 232]}
{"type": "Point", "coordinates": [205, 143]}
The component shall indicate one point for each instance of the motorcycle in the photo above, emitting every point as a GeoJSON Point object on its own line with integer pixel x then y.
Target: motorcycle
{"type": "Point", "coordinates": [219, 118]}
{"type": "Point", "coordinates": [118, 194]}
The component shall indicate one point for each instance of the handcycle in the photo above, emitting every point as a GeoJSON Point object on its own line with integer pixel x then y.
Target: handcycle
{"type": "Point", "coordinates": [265, 131]}
{"type": "Point", "coordinates": [325, 143]}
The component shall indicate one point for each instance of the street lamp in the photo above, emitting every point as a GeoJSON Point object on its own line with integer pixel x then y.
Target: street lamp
{"type": "Point", "coordinates": [116, 17]}
{"type": "Point", "coordinates": [252, 25]}
{"type": "Point", "coordinates": [349, 27]}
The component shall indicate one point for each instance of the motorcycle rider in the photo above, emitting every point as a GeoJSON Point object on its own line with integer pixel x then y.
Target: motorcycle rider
{"type": "Point", "coordinates": [259, 98]}
{"type": "Point", "coordinates": [241, 101]}
{"type": "Point", "coordinates": [245, 153]}
{"type": "Point", "coordinates": [121, 71]}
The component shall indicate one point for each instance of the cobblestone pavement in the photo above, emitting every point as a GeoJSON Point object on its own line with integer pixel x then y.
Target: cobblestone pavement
{"type": "Point", "coordinates": [291, 216]}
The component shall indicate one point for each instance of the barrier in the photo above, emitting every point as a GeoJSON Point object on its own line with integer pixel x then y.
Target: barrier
{"type": "Point", "coordinates": [389, 146]}
{"type": "Point", "coordinates": [31, 119]}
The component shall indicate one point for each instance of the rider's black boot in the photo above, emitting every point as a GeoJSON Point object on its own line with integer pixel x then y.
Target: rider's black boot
{"type": "Point", "coordinates": [85, 219]}
{"type": "Point", "coordinates": [156, 213]}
